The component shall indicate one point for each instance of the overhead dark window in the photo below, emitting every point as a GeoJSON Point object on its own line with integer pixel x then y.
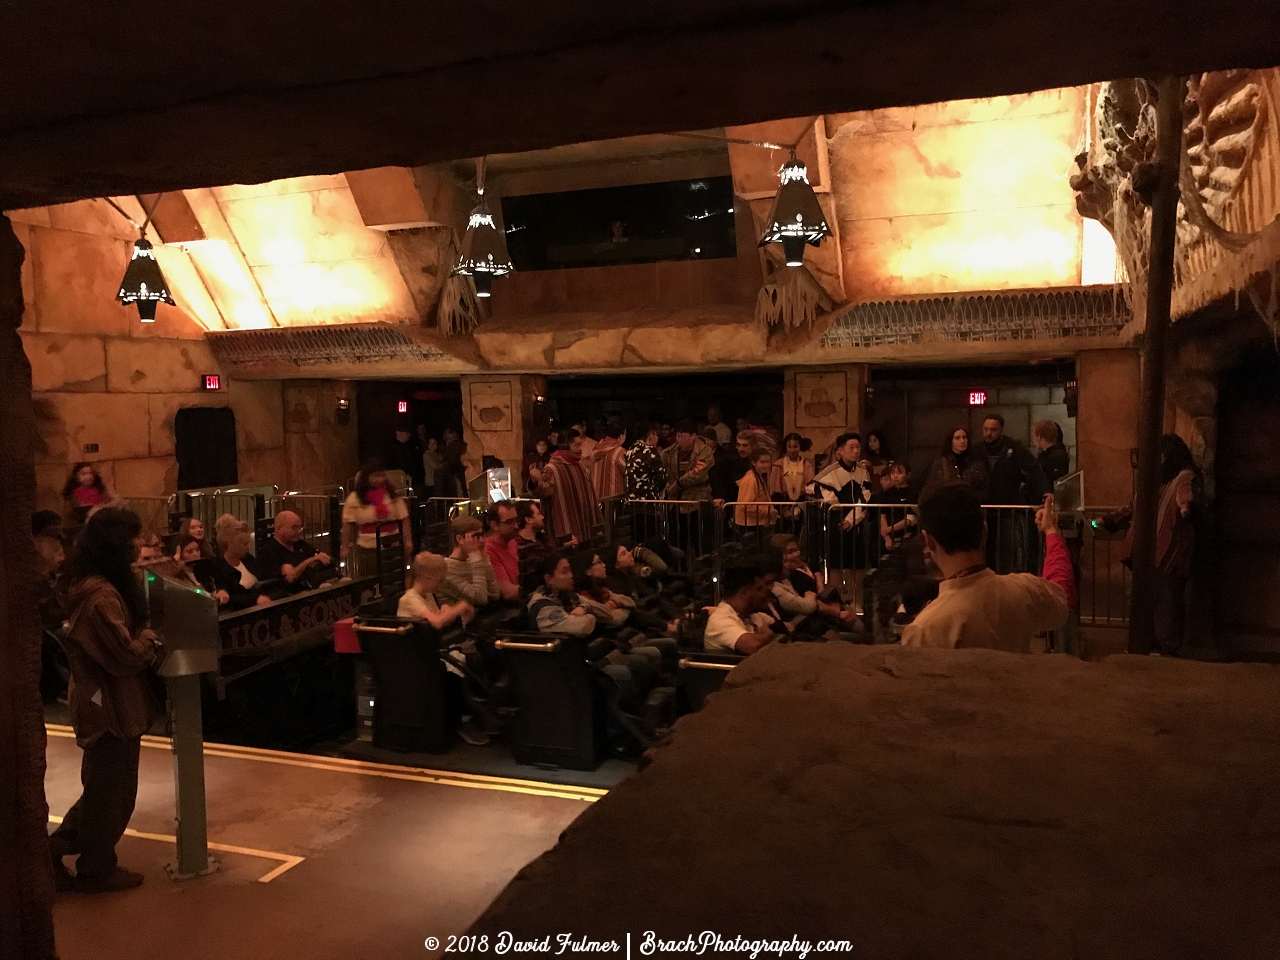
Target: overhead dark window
{"type": "Point", "coordinates": [646, 223]}
{"type": "Point", "coordinates": [205, 445]}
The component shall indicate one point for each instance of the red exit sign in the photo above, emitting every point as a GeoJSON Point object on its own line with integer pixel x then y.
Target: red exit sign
{"type": "Point", "coordinates": [212, 381]}
{"type": "Point", "coordinates": [977, 398]}
{"type": "Point", "coordinates": [402, 406]}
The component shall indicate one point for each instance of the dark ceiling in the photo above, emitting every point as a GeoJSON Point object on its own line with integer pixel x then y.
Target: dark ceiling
{"type": "Point", "coordinates": [139, 96]}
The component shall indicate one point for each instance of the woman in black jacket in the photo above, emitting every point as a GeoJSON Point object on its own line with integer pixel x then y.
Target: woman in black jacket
{"type": "Point", "coordinates": [234, 573]}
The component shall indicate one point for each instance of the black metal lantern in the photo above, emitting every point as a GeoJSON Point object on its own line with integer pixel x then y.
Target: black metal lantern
{"type": "Point", "coordinates": [484, 251]}
{"type": "Point", "coordinates": [143, 282]}
{"type": "Point", "coordinates": [796, 218]}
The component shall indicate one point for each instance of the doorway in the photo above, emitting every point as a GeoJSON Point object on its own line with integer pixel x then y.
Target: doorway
{"type": "Point", "coordinates": [205, 445]}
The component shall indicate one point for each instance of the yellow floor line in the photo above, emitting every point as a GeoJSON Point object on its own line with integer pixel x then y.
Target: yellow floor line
{"type": "Point", "coordinates": [287, 860]}
{"type": "Point", "coordinates": [537, 788]}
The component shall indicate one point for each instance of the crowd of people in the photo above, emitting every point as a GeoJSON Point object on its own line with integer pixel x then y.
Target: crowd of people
{"type": "Point", "coordinates": [632, 605]}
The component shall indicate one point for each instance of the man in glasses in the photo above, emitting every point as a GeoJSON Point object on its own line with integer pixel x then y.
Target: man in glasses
{"type": "Point", "coordinates": [290, 559]}
{"type": "Point", "coordinates": [501, 548]}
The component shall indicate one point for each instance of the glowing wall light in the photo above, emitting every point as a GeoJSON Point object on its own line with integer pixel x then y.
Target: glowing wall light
{"type": "Point", "coordinates": [143, 283]}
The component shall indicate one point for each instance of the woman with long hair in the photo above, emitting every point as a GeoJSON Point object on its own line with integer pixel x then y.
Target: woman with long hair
{"type": "Point", "coordinates": [958, 464]}
{"type": "Point", "coordinates": [879, 457]}
{"type": "Point", "coordinates": [537, 459]}
{"type": "Point", "coordinates": [83, 492]}
{"type": "Point", "coordinates": [109, 649]}
{"type": "Point", "coordinates": [373, 510]}
{"type": "Point", "coordinates": [792, 471]}
{"type": "Point", "coordinates": [193, 527]}
{"type": "Point", "coordinates": [1178, 510]}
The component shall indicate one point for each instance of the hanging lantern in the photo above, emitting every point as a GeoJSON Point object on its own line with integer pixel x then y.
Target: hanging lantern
{"type": "Point", "coordinates": [484, 251]}
{"type": "Point", "coordinates": [796, 217]}
{"type": "Point", "coordinates": [143, 282]}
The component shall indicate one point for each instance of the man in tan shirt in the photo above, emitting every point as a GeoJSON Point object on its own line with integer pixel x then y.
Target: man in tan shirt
{"type": "Point", "coordinates": [976, 607]}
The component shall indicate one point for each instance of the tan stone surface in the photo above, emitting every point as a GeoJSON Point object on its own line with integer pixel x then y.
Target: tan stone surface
{"type": "Point", "coordinates": [307, 466]}
{"type": "Point", "coordinates": [1107, 423]}
{"type": "Point", "coordinates": [264, 466]}
{"type": "Point", "coordinates": [985, 110]}
{"type": "Point", "coordinates": [936, 803]}
{"type": "Point", "coordinates": [157, 366]}
{"type": "Point", "coordinates": [972, 250]}
{"type": "Point", "coordinates": [150, 477]}
{"type": "Point", "coordinates": [66, 363]}
{"type": "Point", "coordinates": [305, 227]}
{"type": "Point", "coordinates": [117, 422]}
{"type": "Point", "coordinates": [514, 351]}
{"type": "Point", "coordinates": [276, 188]}
{"type": "Point", "coordinates": [339, 291]}
{"type": "Point", "coordinates": [77, 276]}
{"type": "Point", "coordinates": [387, 197]}
{"type": "Point", "coordinates": [195, 307]}
{"type": "Point", "coordinates": [259, 409]}
{"type": "Point", "coordinates": [956, 167]}
{"type": "Point", "coordinates": [301, 413]}
{"type": "Point", "coordinates": [692, 347]}
{"type": "Point", "coordinates": [94, 217]}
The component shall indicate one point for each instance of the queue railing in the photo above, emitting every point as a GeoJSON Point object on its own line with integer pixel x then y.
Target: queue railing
{"type": "Point", "coordinates": [1103, 575]}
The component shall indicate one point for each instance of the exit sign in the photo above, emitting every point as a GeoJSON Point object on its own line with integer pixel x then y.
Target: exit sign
{"type": "Point", "coordinates": [402, 406]}
{"type": "Point", "coordinates": [212, 381]}
{"type": "Point", "coordinates": [977, 398]}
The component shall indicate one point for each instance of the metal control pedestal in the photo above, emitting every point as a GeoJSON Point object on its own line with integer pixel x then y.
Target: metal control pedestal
{"type": "Point", "coordinates": [187, 621]}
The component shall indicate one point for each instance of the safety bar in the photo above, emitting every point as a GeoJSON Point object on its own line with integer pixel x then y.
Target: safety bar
{"type": "Point", "coordinates": [399, 631]}
{"type": "Point", "coordinates": [551, 647]}
{"type": "Point", "coordinates": [687, 664]}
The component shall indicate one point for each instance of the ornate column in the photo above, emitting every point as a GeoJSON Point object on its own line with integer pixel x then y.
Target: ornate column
{"type": "Point", "coordinates": [26, 874]}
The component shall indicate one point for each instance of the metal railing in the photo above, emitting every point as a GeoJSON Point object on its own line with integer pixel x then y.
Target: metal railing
{"type": "Point", "coordinates": [1104, 578]}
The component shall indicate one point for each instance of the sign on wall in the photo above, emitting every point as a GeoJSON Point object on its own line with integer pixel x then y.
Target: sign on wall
{"type": "Point", "coordinates": [490, 406]}
{"type": "Point", "coordinates": [820, 399]}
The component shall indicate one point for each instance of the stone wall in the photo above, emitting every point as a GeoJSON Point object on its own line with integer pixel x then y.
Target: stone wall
{"type": "Point", "coordinates": [497, 412]}
{"type": "Point", "coordinates": [822, 403]}
{"type": "Point", "coordinates": [966, 195]}
{"type": "Point", "coordinates": [100, 376]}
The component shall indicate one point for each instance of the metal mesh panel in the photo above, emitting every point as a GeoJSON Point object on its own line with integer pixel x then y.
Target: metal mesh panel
{"type": "Point", "coordinates": [303, 346]}
{"type": "Point", "coordinates": [1052, 314]}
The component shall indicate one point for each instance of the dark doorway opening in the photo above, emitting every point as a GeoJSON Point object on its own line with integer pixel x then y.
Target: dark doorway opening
{"type": "Point", "coordinates": [432, 405]}
{"type": "Point", "coordinates": [205, 445]}
{"type": "Point", "coordinates": [1243, 557]}
{"type": "Point", "coordinates": [754, 395]}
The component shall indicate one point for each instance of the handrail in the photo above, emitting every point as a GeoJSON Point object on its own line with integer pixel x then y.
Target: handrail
{"type": "Point", "coordinates": [687, 664]}
{"type": "Point", "coordinates": [551, 647]}
{"type": "Point", "coordinates": [399, 631]}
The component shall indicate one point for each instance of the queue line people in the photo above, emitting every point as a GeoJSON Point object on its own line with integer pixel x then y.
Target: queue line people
{"type": "Point", "coordinates": [84, 492]}
{"type": "Point", "coordinates": [645, 469]}
{"type": "Point", "coordinates": [109, 647]}
{"type": "Point", "coordinates": [564, 483]}
{"type": "Point", "coordinates": [373, 509]}
{"type": "Point", "coordinates": [1053, 459]}
{"type": "Point", "coordinates": [609, 462]}
{"type": "Point", "coordinates": [845, 482]}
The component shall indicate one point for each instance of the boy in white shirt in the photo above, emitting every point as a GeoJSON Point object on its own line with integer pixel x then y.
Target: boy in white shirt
{"type": "Point", "coordinates": [419, 602]}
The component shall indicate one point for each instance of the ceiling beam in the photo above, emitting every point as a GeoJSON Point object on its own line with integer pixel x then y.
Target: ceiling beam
{"type": "Point", "coordinates": [303, 93]}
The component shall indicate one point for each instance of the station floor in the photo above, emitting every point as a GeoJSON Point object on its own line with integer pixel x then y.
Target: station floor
{"type": "Point", "coordinates": [318, 856]}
